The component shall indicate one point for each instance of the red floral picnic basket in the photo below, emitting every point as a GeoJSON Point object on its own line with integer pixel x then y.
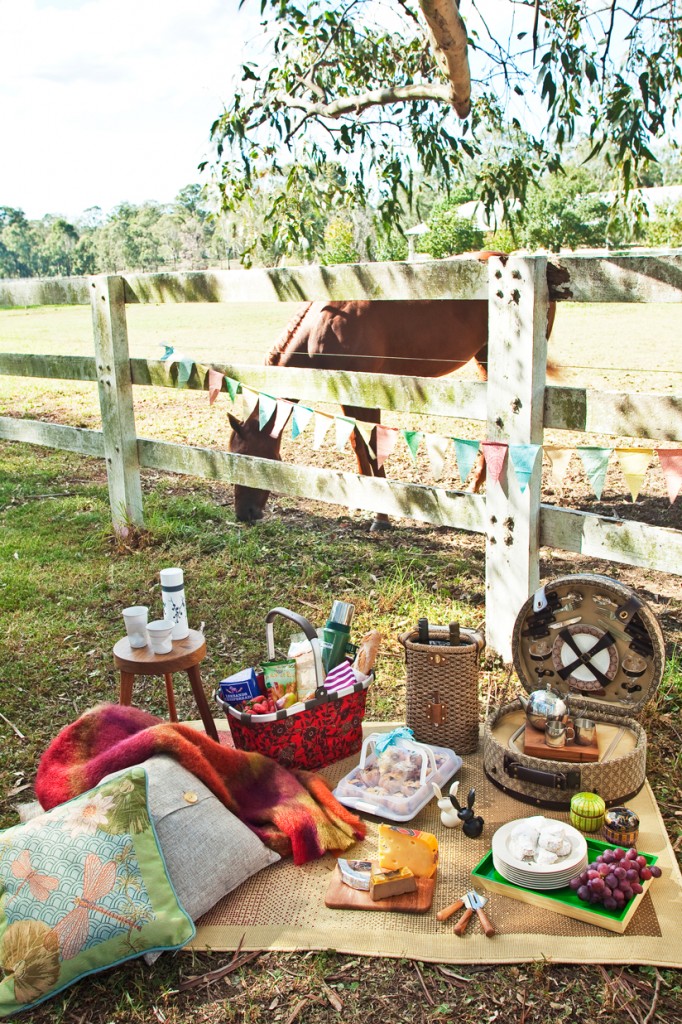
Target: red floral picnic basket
{"type": "Point", "coordinates": [307, 735]}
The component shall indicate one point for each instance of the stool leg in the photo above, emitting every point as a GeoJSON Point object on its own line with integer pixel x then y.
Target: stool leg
{"type": "Point", "coordinates": [126, 690]}
{"type": "Point", "coordinates": [200, 697]}
{"type": "Point", "coordinates": [171, 697]}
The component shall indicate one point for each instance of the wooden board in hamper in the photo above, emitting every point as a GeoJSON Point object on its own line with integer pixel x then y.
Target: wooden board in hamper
{"type": "Point", "coordinates": [594, 641]}
{"type": "Point", "coordinates": [535, 744]}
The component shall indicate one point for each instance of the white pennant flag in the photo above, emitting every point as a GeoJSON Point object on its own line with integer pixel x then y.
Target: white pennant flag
{"type": "Point", "coordinates": [437, 451]}
{"type": "Point", "coordinates": [365, 430]}
{"type": "Point", "coordinates": [344, 428]}
{"type": "Point", "coordinates": [321, 426]}
{"type": "Point", "coordinates": [559, 459]}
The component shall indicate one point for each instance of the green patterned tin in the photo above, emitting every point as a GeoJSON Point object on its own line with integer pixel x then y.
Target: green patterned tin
{"type": "Point", "coordinates": [587, 812]}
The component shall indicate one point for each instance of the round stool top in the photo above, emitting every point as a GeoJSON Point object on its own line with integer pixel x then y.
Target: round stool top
{"type": "Point", "coordinates": [142, 661]}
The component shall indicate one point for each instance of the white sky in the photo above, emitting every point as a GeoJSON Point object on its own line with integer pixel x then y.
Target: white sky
{"type": "Point", "coordinates": [110, 100]}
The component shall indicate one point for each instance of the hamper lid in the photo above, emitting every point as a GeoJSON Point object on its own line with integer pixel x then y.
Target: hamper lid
{"type": "Point", "coordinates": [591, 639]}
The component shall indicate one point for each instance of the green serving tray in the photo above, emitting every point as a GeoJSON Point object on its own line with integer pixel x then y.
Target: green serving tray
{"type": "Point", "coordinates": [565, 901]}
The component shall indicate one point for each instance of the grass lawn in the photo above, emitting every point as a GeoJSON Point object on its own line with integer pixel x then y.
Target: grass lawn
{"type": "Point", "coordinates": [64, 580]}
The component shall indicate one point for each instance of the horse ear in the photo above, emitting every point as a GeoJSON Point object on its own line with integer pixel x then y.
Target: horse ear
{"type": "Point", "coordinates": [235, 423]}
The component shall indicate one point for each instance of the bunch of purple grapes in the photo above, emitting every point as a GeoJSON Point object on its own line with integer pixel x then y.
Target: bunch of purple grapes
{"type": "Point", "coordinates": [614, 878]}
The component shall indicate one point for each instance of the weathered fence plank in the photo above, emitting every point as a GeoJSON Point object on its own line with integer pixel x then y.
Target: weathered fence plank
{"type": "Point", "coordinates": [459, 510]}
{"type": "Point", "coordinates": [58, 367]}
{"type": "Point", "coordinates": [606, 277]}
{"type": "Point", "coordinates": [619, 414]}
{"type": "Point", "coordinates": [44, 291]}
{"type": "Point", "coordinates": [517, 360]}
{"type": "Point", "coordinates": [116, 401]}
{"type": "Point", "coordinates": [616, 540]}
{"type": "Point", "coordinates": [53, 435]}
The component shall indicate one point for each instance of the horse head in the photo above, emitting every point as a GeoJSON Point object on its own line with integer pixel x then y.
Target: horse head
{"type": "Point", "coordinates": [248, 439]}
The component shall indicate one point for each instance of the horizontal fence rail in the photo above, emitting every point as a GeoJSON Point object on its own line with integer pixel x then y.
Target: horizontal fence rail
{"type": "Point", "coordinates": [518, 289]}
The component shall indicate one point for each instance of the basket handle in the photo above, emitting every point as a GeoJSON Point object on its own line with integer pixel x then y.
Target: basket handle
{"type": "Point", "coordinates": [306, 627]}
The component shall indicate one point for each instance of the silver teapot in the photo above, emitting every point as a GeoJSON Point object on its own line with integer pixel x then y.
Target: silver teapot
{"type": "Point", "coordinates": [542, 705]}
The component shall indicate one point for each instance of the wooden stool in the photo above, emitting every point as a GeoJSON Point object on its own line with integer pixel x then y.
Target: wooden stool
{"type": "Point", "coordinates": [184, 657]}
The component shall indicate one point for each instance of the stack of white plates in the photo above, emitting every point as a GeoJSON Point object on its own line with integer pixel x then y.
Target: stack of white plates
{"type": "Point", "coordinates": [538, 876]}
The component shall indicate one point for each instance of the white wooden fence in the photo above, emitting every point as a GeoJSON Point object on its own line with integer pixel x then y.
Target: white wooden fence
{"type": "Point", "coordinates": [516, 405]}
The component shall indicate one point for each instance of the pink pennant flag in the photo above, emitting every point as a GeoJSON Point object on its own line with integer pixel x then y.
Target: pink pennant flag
{"type": "Point", "coordinates": [387, 439]}
{"type": "Point", "coordinates": [671, 464]}
{"type": "Point", "coordinates": [215, 384]}
{"type": "Point", "coordinates": [494, 453]}
{"type": "Point", "coordinates": [282, 413]}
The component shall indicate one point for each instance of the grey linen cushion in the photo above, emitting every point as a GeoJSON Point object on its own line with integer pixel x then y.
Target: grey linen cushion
{"type": "Point", "coordinates": [208, 850]}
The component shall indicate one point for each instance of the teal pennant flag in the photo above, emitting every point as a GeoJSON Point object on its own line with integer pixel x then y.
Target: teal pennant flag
{"type": "Point", "coordinates": [596, 462]}
{"type": "Point", "coordinates": [300, 419]}
{"type": "Point", "coordinates": [167, 353]}
{"type": "Point", "coordinates": [413, 439]}
{"type": "Point", "coordinates": [185, 367]}
{"type": "Point", "coordinates": [266, 409]}
{"type": "Point", "coordinates": [465, 453]}
{"type": "Point", "coordinates": [233, 387]}
{"type": "Point", "coordinates": [523, 458]}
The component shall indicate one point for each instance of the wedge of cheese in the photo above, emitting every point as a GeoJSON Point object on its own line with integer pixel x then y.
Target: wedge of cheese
{"type": "Point", "coordinates": [383, 884]}
{"type": "Point", "coordinates": [407, 848]}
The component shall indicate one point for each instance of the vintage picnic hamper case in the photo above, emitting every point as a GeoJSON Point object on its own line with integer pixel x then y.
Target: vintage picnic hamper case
{"type": "Point", "coordinates": [596, 643]}
{"type": "Point", "coordinates": [307, 735]}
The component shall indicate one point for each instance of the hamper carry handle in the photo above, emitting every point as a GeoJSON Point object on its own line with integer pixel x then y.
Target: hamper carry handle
{"type": "Point", "coordinates": [555, 780]}
{"type": "Point", "coordinates": [306, 627]}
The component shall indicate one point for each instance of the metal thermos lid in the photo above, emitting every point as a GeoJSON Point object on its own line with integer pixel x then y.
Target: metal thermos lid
{"type": "Point", "coordinates": [342, 612]}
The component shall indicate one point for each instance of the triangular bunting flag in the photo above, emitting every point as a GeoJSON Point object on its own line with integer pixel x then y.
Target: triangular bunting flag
{"type": "Point", "coordinates": [266, 408]}
{"type": "Point", "coordinates": [671, 464]}
{"type": "Point", "coordinates": [321, 426]}
{"type": "Point", "coordinates": [250, 399]}
{"type": "Point", "coordinates": [523, 458]}
{"type": "Point", "coordinates": [215, 384]}
{"type": "Point", "coordinates": [233, 387]}
{"type": "Point", "coordinates": [413, 440]}
{"type": "Point", "coordinates": [437, 450]}
{"type": "Point", "coordinates": [559, 459]}
{"type": "Point", "coordinates": [282, 413]}
{"type": "Point", "coordinates": [301, 418]}
{"type": "Point", "coordinates": [365, 431]}
{"type": "Point", "coordinates": [168, 351]}
{"type": "Point", "coordinates": [344, 428]}
{"type": "Point", "coordinates": [494, 453]}
{"type": "Point", "coordinates": [387, 439]}
{"type": "Point", "coordinates": [465, 453]}
{"type": "Point", "coordinates": [634, 463]}
{"type": "Point", "coordinates": [596, 462]}
{"type": "Point", "coordinates": [185, 367]}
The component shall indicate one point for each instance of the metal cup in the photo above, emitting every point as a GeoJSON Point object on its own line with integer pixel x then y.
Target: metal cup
{"type": "Point", "coordinates": [585, 731]}
{"type": "Point", "coordinates": [556, 733]}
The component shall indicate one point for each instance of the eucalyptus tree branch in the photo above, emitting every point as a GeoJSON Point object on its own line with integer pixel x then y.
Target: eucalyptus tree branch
{"type": "Point", "coordinates": [382, 97]}
{"type": "Point", "coordinates": [449, 40]}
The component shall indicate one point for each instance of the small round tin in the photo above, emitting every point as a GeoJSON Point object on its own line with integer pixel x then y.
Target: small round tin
{"type": "Point", "coordinates": [587, 812]}
{"type": "Point", "coordinates": [621, 826]}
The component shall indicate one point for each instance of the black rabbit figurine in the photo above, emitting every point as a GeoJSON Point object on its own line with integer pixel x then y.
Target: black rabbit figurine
{"type": "Point", "coordinates": [472, 825]}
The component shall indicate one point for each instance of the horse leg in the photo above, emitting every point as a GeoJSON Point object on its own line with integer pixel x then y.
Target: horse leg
{"type": "Point", "coordinates": [367, 463]}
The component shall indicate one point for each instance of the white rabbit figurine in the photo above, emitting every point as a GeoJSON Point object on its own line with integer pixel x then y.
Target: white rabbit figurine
{"type": "Point", "coordinates": [448, 814]}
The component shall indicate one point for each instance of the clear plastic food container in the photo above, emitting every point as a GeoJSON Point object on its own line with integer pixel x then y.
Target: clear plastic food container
{"type": "Point", "coordinates": [396, 783]}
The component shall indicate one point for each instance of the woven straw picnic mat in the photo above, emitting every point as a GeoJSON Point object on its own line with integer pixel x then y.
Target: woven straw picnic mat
{"type": "Point", "coordinates": [283, 908]}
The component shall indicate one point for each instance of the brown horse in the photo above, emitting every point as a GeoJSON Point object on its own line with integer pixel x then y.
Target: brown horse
{"type": "Point", "coordinates": [408, 338]}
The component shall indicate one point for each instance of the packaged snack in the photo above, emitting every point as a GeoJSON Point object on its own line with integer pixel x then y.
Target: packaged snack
{"type": "Point", "coordinates": [302, 653]}
{"type": "Point", "coordinates": [240, 686]}
{"type": "Point", "coordinates": [280, 676]}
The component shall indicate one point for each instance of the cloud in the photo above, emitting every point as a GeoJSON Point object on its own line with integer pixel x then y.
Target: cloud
{"type": "Point", "coordinates": [111, 100]}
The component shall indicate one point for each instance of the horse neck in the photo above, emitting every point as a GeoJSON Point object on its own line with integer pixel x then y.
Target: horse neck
{"type": "Point", "coordinates": [283, 347]}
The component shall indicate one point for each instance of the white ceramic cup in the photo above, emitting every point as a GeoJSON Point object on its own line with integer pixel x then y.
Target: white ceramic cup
{"type": "Point", "coordinates": [160, 636]}
{"type": "Point", "coordinates": [135, 619]}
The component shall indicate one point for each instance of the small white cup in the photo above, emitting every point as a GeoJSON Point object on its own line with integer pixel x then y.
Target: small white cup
{"type": "Point", "coordinates": [135, 619]}
{"type": "Point", "coordinates": [160, 636]}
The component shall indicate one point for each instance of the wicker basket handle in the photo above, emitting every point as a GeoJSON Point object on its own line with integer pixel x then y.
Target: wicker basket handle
{"type": "Point", "coordinates": [308, 629]}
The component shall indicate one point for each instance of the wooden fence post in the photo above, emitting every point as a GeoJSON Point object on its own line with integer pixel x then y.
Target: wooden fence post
{"type": "Point", "coordinates": [116, 401]}
{"type": "Point", "coordinates": [517, 366]}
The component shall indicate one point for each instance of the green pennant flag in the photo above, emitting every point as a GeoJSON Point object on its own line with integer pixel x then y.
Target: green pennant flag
{"type": "Point", "coordinates": [596, 462]}
{"type": "Point", "coordinates": [413, 440]}
{"type": "Point", "coordinates": [266, 409]}
{"type": "Point", "coordinates": [465, 453]}
{"type": "Point", "coordinates": [233, 387]}
{"type": "Point", "coordinates": [185, 367]}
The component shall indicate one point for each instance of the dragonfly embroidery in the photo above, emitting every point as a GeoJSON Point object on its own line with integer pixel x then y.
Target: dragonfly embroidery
{"type": "Point", "coordinates": [99, 878]}
{"type": "Point", "coordinates": [40, 886]}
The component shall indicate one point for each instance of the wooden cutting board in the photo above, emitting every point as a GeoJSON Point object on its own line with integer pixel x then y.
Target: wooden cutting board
{"type": "Point", "coordinates": [534, 744]}
{"type": "Point", "coordinates": [341, 897]}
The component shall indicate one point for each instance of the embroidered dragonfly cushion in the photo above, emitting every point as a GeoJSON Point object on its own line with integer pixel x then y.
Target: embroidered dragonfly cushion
{"type": "Point", "coordinates": [82, 888]}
